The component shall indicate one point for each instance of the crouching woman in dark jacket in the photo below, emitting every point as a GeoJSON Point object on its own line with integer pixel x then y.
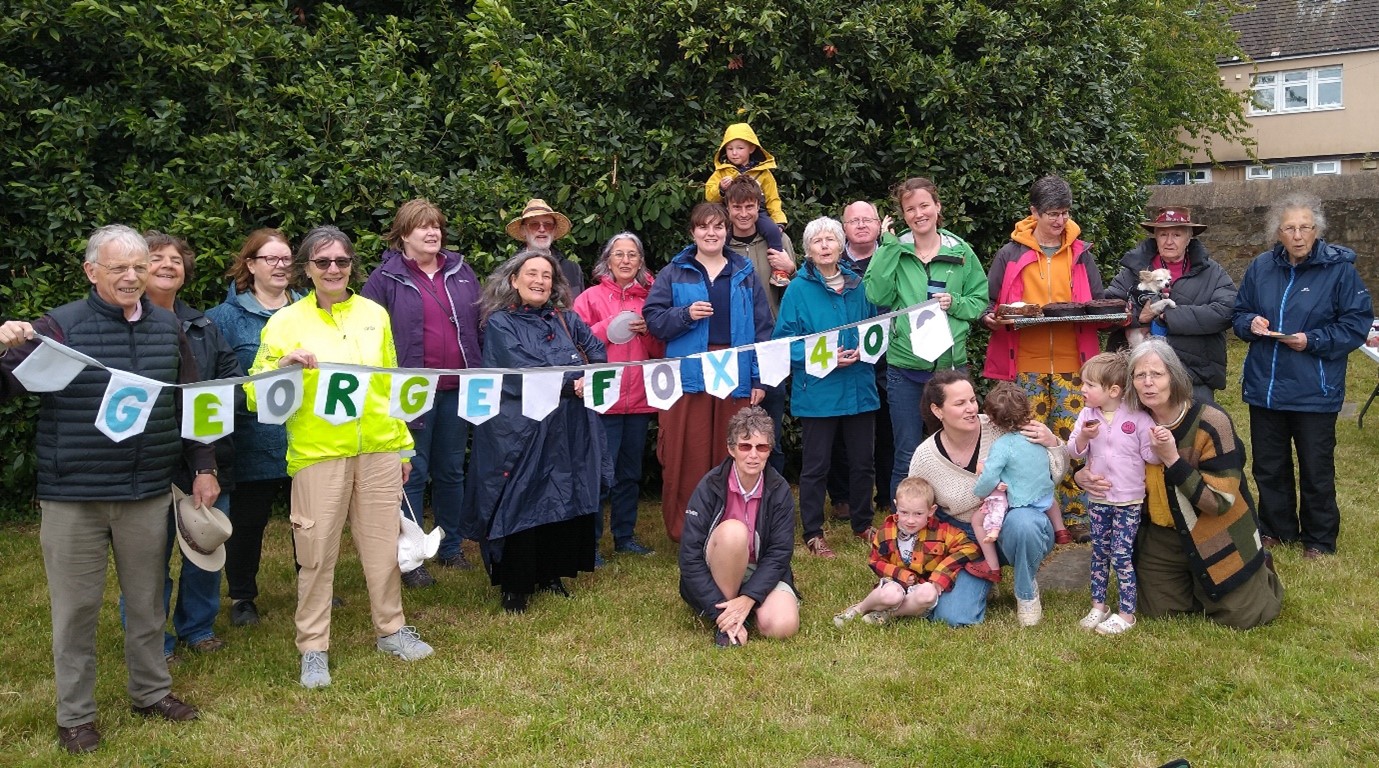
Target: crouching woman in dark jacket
{"type": "Point", "coordinates": [533, 486]}
{"type": "Point", "coordinates": [738, 538]}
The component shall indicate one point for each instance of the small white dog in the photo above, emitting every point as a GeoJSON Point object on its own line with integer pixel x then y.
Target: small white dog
{"type": "Point", "coordinates": [1153, 285]}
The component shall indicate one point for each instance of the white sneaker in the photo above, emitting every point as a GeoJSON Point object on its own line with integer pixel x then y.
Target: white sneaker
{"type": "Point", "coordinates": [315, 669]}
{"type": "Point", "coordinates": [1093, 618]}
{"type": "Point", "coordinates": [877, 617]}
{"type": "Point", "coordinates": [1029, 612]}
{"type": "Point", "coordinates": [1114, 625]}
{"type": "Point", "coordinates": [843, 618]}
{"type": "Point", "coordinates": [405, 644]}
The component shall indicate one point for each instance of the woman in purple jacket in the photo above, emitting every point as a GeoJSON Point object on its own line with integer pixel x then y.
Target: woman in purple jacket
{"type": "Point", "coordinates": [431, 295]}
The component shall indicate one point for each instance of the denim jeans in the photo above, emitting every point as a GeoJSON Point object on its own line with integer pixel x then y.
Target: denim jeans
{"type": "Point", "coordinates": [440, 445]}
{"type": "Point", "coordinates": [907, 423]}
{"type": "Point", "coordinates": [198, 592]}
{"type": "Point", "coordinates": [1026, 539]}
{"type": "Point", "coordinates": [626, 442]}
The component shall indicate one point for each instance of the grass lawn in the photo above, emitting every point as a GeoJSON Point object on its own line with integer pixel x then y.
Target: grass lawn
{"type": "Point", "coordinates": [623, 675]}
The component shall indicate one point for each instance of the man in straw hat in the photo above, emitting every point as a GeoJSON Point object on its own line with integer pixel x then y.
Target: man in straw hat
{"type": "Point", "coordinates": [1203, 297]}
{"type": "Point", "coordinates": [539, 227]}
{"type": "Point", "coordinates": [97, 494]}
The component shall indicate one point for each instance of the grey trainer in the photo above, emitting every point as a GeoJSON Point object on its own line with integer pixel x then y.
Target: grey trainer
{"type": "Point", "coordinates": [405, 644]}
{"type": "Point", "coordinates": [315, 669]}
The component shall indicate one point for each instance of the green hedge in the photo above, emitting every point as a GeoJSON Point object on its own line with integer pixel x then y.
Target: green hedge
{"type": "Point", "coordinates": [209, 118]}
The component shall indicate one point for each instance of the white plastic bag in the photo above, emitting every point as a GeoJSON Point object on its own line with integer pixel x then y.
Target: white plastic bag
{"type": "Point", "coordinates": [413, 546]}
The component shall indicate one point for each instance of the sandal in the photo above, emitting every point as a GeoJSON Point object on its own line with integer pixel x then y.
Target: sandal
{"type": "Point", "coordinates": [843, 618]}
{"type": "Point", "coordinates": [1094, 618]}
{"type": "Point", "coordinates": [1114, 625]}
{"type": "Point", "coordinates": [877, 617]}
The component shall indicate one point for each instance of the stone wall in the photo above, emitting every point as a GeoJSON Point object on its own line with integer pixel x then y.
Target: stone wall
{"type": "Point", "coordinates": [1235, 213]}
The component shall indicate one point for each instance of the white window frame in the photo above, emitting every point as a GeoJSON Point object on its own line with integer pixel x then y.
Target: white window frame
{"type": "Point", "coordinates": [1259, 173]}
{"type": "Point", "coordinates": [1326, 168]}
{"type": "Point", "coordinates": [1191, 175]}
{"type": "Point", "coordinates": [1279, 82]}
{"type": "Point", "coordinates": [1319, 168]}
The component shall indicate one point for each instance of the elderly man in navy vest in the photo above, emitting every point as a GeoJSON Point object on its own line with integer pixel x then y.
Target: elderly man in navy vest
{"type": "Point", "coordinates": [97, 494]}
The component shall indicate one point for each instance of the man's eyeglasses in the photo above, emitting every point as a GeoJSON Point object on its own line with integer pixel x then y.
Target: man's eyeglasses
{"type": "Point", "coordinates": [747, 447]}
{"type": "Point", "coordinates": [539, 224]}
{"type": "Point", "coordinates": [138, 269]}
{"type": "Point", "coordinates": [857, 222]}
{"type": "Point", "coordinates": [1302, 229]}
{"type": "Point", "coordinates": [341, 262]}
{"type": "Point", "coordinates": [279, 261]}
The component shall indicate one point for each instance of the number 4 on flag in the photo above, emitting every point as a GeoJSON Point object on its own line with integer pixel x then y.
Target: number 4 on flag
{"type": "Point", "coordinates": [821, 354]}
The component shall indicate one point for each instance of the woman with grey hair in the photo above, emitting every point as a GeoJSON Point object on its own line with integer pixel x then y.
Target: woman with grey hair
{"type": "Point", "coordinates": [533, 485]}
{"type": "Point", "coordinates": [613, 309]}
{"type": "Point", "coordinates": [1303, 308]}
{"type": "Point", "coordinates": [838, 398]}
{"type": "Point", "coordinates": [1198, 549]}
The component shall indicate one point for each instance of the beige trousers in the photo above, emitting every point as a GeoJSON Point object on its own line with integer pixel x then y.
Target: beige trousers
{"type": "Point", "coordinates": [366, 492]}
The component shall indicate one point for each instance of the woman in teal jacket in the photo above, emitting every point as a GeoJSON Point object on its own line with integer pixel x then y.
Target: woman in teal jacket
{"type": "Point", "coordinates": [825, 295]}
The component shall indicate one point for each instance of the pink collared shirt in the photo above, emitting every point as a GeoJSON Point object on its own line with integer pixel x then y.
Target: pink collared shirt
{"type": "Point", "coordinates": [743, 505]}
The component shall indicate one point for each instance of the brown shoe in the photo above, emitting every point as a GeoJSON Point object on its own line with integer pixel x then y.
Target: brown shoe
{"type": "Point", "coordinates": [1080, 533]}
{"type": "Point", "coordinates": [819, 548]}
{"type": "Point", "coordinates": [1313, 553]}
{"type": "Point", "coordinates": [169, 708]}
{"type": "Point", "coordinates": [1270, 542]}
{"type": "Point", "coordinates": [867, 535]}
{"type": "Point", "coordinates": [842, 511]}
{"type": "Point", "coordinates": [208, 645]}
{"type": "Point", "coordinates": [79, 739]}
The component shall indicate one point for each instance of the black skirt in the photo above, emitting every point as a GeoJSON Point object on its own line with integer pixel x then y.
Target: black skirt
{"type": "Point", "coordinates": [536, 556]}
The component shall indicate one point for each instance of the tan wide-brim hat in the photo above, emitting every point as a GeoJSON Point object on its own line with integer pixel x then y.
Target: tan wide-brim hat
{"type": "Point", "coordinates": [201, 531]}
{"type": "Point", "coordinates": [1173, 217]}
{"type": "Point", "coordinates": [537, 207]}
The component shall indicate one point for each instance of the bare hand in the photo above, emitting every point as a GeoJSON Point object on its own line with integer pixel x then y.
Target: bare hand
{"type": "Point", "coordinates": [1147, 314]}
{"type": "Point", "coordinates": [406, 471]}
{"type": "Point", "coordinates": [724, 183]}
{"type": "Point", "coordinates": [298, 355]}
{"type": "Point", "coordinates": [886, 223]}
{"type": "Point", "coordinates": [700, 310]}
{"type": "Point", "coordinates": [205, 490]}
{"type": "Point", "coordinates": [945, 300]}
{"type": "Point", "coordinates": [637, 326]}
{"type": "Point", "coordinates": [989, 320]}
{"type": "Point", "coordinates": [1161, 440]}
{"type": "Point", "coordinates": [15, 332]}
{"type": "Point", "coordinates": [780, 261]}
{"type": "Point", "coordinates": [579, 387]}
{"type": "Point", "coordinates": [757, 396]}
{"type": "Point", "coordinates": [1259, 326]}
{"type": "Point", "coordinates": [735, 612]}
{"type": "Point", "coordinates": [1090, 429]}
{"type": "Point", "coordinates": [1092, 483]}
{"type": "Point", "coordinates": [1038, 432]}
{"type": "Point", "coordinates": [1296, 342]}
{"type": "Point", "coordinates": [847, 357]}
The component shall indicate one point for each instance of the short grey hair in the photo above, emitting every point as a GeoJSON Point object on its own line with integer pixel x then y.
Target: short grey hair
{"type": "Point", "coordinates": [1293, 202]}
{"type": "Point", "coordinates": [819, 226]}
{"type": "Point", "coordinates": [127, 238]}
{"type": "Point", "coordinates": [601, 270]}
{"type": "Point", "coordinates": [1050, 193]}
{"type": "Point", "coordinates": [752, 418]}
{"type": "Point", "coordinates": [499, 293]}
{"type": "Point", "coordinates": [1179, 380]}
{"type": "Point", "coordinates": [314, 241]}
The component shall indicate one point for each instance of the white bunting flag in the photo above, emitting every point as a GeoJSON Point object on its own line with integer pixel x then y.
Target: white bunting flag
{"type": "Point", "coordinates": [279, 396]}
{"type": "Point", "coordinates": [602, 388]}
{"type": "Point", "coordinates": [208, 412]}
{"type": "Point", "coordinates": [930, 335]}
{"type": "Point", "coordinates": [127, 403]}
{"type": "Point", "coordinates": [662, 380]}
{"type": "Point", "coordinates": [541, 393]}
{"type": "Point", "coordinates": [720, 372]}
{"type": "Point", "coordinates": [875, 339]}
{"type": "Point", "coordinates": [773, 361]}
{"type": "Point", "coordinates": [340, 395]}
{"type": "Point", "coordinates": [51, 367]}
{"type": "Point", "coordinates": [821, 354]}
{"type": "Point", "coordinates": [412, 395]}
{"type": "Point", "coordinates": [480, 396]}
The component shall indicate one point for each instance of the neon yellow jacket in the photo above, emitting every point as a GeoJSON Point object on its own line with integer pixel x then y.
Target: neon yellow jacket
{"type": "Point", "coordinates": [761, 171]}
{"type": "Point", "coordinates": [356, 331]}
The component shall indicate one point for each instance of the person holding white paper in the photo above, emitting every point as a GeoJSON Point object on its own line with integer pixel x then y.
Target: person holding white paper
{"type": "Point", "coordinates": [824, 295]}
{"type": "Point", "coordinates": [347, 462]}
{"type": "Point", "coordinates": [533, 486]}
{"type": "Point", "coordinates": [96, 494]}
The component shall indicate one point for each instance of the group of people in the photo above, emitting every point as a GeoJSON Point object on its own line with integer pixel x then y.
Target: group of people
{"type": "Point", "coordinates": [1163, 493]}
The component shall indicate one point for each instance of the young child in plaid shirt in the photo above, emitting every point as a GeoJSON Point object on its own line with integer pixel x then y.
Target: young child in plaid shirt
{"type": "Point", "coordinates": [917, 557]}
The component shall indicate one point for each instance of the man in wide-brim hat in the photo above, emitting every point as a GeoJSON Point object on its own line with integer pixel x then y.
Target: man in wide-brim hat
{"type": "Point", "coordinates": [1203, 296]}
{"type": "Point", "coordinates": [539, 226]}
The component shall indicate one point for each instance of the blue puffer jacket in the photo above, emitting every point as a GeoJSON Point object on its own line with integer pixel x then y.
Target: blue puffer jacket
{"type": "Point", "coordinates": [260, 449]}
{"type": "Point", "coordinates": [680, 284]}
{"type": "Point", "coordinates": [1323, 297]}
{"type": "Point", "coordinates": [809, 307]}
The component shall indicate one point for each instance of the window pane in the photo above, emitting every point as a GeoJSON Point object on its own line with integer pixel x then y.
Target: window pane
{"type": "Point", "coordinates": [1264, 100]}
{"type": "Point", "coordinates": [1329, 72]}
{"type": "Point", "coordinates": [1295, 77]}
{"type": "Point", "coordinates": [1263, 80]}
{"type": "Point", "coordinates": [1290, 170]}
{"type": "Point", "coordinates": [1326, 167]}
{"type": "Point", "coordinates": [1328, 94]}
{"type": "Point", "coordinates": [1172, 178]}
{"type": "Point", "coordinates": [1295, 97]}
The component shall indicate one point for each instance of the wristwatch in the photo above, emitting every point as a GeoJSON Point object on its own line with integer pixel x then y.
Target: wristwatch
{"type": "Point", "coordinates": [210, 472]}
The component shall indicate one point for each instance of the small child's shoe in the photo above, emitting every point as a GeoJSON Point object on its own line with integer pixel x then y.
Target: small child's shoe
{"type": "Point", "coordinates": [843, 618]}
{"type": "Point", "coordinates": [983, 571]}
{"type": "Point", "coordinates": [1094, 618]}
{"type": "Point", "coordinates": [1114, 625]}
{"type": "Point", "coordinates": [877, 617]}
{"type": "Point", "coordinates": [1062, 537]}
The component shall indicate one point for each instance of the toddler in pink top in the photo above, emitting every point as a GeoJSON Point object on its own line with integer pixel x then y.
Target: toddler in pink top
{"type": "Point", "coordinates": [1114, 440]}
